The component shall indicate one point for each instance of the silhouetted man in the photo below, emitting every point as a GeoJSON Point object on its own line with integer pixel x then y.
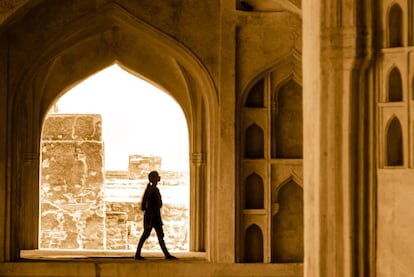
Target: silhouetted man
{"type": "Point", "coordinates": [151, 204]}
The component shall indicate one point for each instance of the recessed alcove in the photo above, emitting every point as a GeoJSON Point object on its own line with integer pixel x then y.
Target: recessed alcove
{"type": "Point", "coordinates": [394, 143]}
{"type": "Point", "coordinates": [280, 121]}
{"type": "Point", "coordinates": [254, 192]}
{"type": "Point", "coordinates": [287, 122]}
{"type": "Point", "coordinates": [253, 244]}
{"type": "Point", "coordinates": [254, 142]}
{"type": "Point", "coordinates": [395, 26]}
{"type": "Point", "coordinates": [287, 224]}
{"type": "Point", "coordinates": [395, 91]}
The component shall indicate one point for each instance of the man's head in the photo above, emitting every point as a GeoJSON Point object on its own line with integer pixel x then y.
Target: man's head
{"type": "Point", "coordinates": [154, 177]}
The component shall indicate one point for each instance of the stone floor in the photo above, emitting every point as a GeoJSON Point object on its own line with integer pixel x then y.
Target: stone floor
{"type": "Point", "coordinates": [46, 263]}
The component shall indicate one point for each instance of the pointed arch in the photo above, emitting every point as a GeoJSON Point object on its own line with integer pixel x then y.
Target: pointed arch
{"type": "Point", "coordinates": [287, 224]}
{"type": "Point", "coordinates": [395, 26]}
{"type": "Point", "coordinates": [395, 88]}
{"type": "Point", "coordinates": [254, 192]}
{"type": "Point", "coordinates": [253, 244]}
{"type": "Point", "coordinates": [287, 66]}
{"type": "Point", "coordinates": [255, 98]}
{"type": "Point", "coordinates": [287, 122]}
{"type": "Point", "coordinates": [254, 142]}
{"type": "Point", "coordinates": [394, 143]}
{"type": "Point", "coordinates": [108, 35]}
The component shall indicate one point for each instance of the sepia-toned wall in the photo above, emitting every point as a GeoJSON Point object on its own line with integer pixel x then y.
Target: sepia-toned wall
{"type": "Point", "coordinates": [209, 56]}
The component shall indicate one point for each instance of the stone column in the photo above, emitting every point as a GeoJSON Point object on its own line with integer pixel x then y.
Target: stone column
{"type": "Point", "coordinates": [223, 190]}
{"type": "Point", "coordinates": [4, 186]}
{"type": "Point", "coordinates": [197, 200]}
{"type": "Point", "coordinates": [330, 135]}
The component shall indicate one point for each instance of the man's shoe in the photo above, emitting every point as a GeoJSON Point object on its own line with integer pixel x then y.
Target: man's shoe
{"type": "Point", "coordinates": [139, 257]}
{"type": "Point", "coordinates": [171, 257]}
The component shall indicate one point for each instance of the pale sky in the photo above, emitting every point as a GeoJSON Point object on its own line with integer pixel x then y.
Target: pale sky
{"type": "Point", "coordinates": [137, 118]}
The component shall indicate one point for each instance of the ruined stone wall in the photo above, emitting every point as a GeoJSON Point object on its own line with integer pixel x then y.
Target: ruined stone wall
{"type": "Point", "coordinates": [124, 218]}
{"type": "Point", "coordinates": [124, 227]}
{"type": "Point", "coordinates": [77, 212]}
{"type": "Point", "coordinates": [72, 183]}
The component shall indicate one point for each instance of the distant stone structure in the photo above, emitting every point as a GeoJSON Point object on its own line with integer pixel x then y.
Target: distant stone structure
{"type": "Point", "coordinates": [84, 207]}
{"type": "Point", "coordinates": [139, 166]}
{"type": "Point", "coordinates": [116, 174]}
{"type": "Point", "coordinates": [72, 183]}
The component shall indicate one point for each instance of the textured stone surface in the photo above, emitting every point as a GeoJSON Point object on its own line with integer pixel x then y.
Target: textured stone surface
{"type": "Point", "coordinates": [124, 227]}
{"type": "Point", "coordinates": [75, 212]}
{"type": "Point", "coordinates": [72, 183]}
{"type": "Point", "coordinates": [123, 208]}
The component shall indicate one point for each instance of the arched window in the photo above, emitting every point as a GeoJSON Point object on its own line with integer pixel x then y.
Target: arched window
{"type": "Point", "coordinates": [255, 98]}
{"type": "Point", "coordinates": [254, 192]}
{"type": "Point", "coordinates": [394, 152]}
{"type": "Point", "coordinates": [253, 245]}
{"type": "Point", "coordinates": [287, 122]}
{"type": "Point", "coordinates": [254, 147]}
{"type": "Point", "coordinates": [395, 26]}
{"type": "Point", "coordinates": [287, 225]}
{"type": "Point", "coordinates": [99, 143]}
{"type": "Point", "coordinates": [395, 93]}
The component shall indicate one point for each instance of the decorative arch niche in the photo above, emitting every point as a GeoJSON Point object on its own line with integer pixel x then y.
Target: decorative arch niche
{"type": "Point", "coordinates": [253, 244]}
{"type": "Point", "coordinates": [254, 192]}
{"type": "Point", "coordinates": [278, 128]}
{"type": "Point", "coordinates": [395, 26]}
{"type": "Point", "coordinates": [287, 122]}
{"type": "Point", "coordinates": [394, 139]}
{"type": "Point", "coordinates": [254, 142]}
{"type": "Point", "coordinates": [87, 45]}
{"type": "Point", "coordinates": [395, 91]}
{"type": "Point", "coordinates": [287, 223]}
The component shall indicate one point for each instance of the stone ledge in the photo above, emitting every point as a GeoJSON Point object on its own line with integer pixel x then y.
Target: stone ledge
{"type": "Point", "coordinates": [121, 267]}
{"type": "Point", "coordinates": [97, 255]}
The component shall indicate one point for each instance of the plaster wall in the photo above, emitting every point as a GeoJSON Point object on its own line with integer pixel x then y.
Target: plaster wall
{"type": "Point", "coordinates": [395, 222]}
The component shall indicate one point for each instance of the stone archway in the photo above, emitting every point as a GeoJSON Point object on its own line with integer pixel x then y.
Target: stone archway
{"type": "Point", "coordinates": [108, 35]}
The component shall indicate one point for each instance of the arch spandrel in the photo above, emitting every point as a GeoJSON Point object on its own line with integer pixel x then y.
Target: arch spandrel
{"type": "Point", "coordinates": [111, 34]}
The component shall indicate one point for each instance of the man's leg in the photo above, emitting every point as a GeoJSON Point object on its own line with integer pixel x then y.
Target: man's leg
{"type": "Point", "coordinates": [144, 236]}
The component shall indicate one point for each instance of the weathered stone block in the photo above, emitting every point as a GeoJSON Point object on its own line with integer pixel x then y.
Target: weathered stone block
{"type": "Point", "coordinates": [72, 183]}
{"type": "Point", "coordinates": [73, 127]}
